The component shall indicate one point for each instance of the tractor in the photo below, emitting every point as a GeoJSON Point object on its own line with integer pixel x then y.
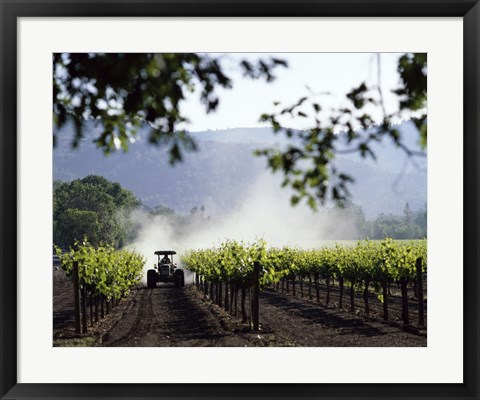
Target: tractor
{"type": "Point", "coordinates": [165, 270]}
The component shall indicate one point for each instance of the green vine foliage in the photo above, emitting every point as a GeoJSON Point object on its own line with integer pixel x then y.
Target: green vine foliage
{"type": "Point", "coordinates": [103, 270]}
{"type": "Point", "coordinates": [367, 262]}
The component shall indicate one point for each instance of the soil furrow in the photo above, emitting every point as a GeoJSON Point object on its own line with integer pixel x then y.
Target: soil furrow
{"type": "Point", "coordinates": [307, 324]}
{"type": "Point", "coordinates": [168, 316]}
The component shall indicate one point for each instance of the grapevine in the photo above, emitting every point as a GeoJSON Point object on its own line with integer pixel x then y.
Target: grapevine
{"type": "Point", "coordinates": [367, 266]}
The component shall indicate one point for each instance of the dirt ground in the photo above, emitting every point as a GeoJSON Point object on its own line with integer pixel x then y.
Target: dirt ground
{"type": "Point", "coordinates": [376, 307]}
{"type": "Point", "coordinates": [167, 316]}
{"type": "Point", "coordinates": [308, 324]}
{"type": "Point", "coordinates": [63, 312]}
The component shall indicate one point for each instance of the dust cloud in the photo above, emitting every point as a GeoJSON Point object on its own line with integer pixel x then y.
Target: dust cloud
{"type": "Point", "coordinates": [264, 212]}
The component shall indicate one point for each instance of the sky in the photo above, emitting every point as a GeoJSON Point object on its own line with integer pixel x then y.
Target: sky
{"type": "Point", "coordinates": [333, 73]}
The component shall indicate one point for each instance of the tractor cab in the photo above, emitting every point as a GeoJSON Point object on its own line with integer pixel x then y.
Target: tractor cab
{"type": "Point", "coordinates": [165, 264]}
{"type": "Point", "coordinates": [165, 270]}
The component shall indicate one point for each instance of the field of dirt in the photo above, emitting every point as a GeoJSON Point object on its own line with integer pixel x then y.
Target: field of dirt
{"type": "Point", "coordinates": [63, 312]}
{"type": "Point", "coordinates": [376, 307]}
{"type": "Point", "coordinates": [168, 316]}
{"type": "Point", "coordinates": [305, 323]}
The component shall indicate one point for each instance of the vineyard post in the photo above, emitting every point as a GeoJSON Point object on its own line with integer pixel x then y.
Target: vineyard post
{"type": "Point", "coordinates": [385, 295]}
{"type": "Point", "coordinates": [250, 307]}
{"type": "Point", "coordinates": [90, 299]}
{"type": "Point", "coordinates": [84, 309]}
{"type": "Point", "coordinates": [403, 287]}
{"type": "Point", "coordinates": [341, 282]}
{"type": "Point", "coordinates": [256, 295]}
{"type": "Point", "coordinates": [310, 286]}
{"type": "Point", "coordinates": [421, 311]}
{"type": "Point", "coordinates": [365, 296]}
{"type": "Point", "coordinates": [96, 308]}
{"type": "Point", "coordinates": [232, 294]}
{"type": "Point", "coordinates": [352, 295]}
{"type": "Point", "coordinates": [328, 290]}
{"type": "Point", "coordinates": [219, 293]}
{"type": "Point", "coordinates": [242, 302]}
{"type": "Point", "coordinates": [76, 296]}
{"type": "Point", "coordinates": [236, 298]}
{"type": "Point", "coordinates": [225, 300]}
{"type": "Point", "coordinates": [317, 289]}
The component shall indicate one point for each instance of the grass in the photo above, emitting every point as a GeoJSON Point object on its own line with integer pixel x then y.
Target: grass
{"type": "Point", "coordinates": [87, 341]}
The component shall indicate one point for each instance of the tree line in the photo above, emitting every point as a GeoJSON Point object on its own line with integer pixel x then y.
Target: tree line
{"type": "Point", "coordinates": [100, 211]}
{"type": "Point", "coordinates": [408, 225]}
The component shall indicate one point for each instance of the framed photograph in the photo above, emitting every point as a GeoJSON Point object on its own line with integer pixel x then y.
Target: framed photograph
{"type": "Point", "coordinates": [233, 200]}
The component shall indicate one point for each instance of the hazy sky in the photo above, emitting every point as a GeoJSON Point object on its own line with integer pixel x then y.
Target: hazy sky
{"type": "Point", "coordinates": [336, 73]}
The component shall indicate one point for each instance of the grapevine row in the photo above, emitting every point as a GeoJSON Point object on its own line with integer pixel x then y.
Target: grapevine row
{"type": "Point", "coordinates": [366, 266]}
{"type": "Point", "coordinates": [100, 275]}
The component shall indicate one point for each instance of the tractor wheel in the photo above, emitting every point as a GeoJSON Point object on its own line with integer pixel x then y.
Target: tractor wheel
{"type": "Point", "coordinates": [151, 278]}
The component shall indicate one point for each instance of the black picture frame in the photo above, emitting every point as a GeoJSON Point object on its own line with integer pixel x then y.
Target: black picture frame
{"type": "Point", "coordinates": [11, 10]}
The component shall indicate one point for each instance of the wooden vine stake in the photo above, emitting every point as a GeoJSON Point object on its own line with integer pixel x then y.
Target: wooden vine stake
{"type": "Point", "coordinates": [341, 283]}
{"type": "Point", "coordinates": [403, 286]}
{"type": "Point", "coordinates": [76, 297]}
{"type": "Point", "coordinates": [225, 301]}
{"type": "Point", "coordinates": [242, 302]}
{"type": "Point", "coordinates": [256, 296]}
{"type": "Point", "coordinates": [84, 309]}
{"type": "Point", "coordinates": [90, 300]}
{"type": "Point", "coordinates": [421, 310]}
{"type": "Point", "coordinates": [385, 296]}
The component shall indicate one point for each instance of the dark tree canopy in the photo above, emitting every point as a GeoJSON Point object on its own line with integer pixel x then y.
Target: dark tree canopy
{"type": "Point", "coordinates": [91, 207]}
{"type": "Point", "coordinates": [123, 92]}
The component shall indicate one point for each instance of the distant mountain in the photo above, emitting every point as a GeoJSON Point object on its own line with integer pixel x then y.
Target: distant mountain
{"type": "Point", "coordinates": [224, 168]}
{"type": "Point", "coordinates": [240, 135]}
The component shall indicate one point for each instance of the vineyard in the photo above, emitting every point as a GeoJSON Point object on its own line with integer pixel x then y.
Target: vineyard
{"type": "Point", "coordinates": [235, 267]}
{"type": "Point", "coordinates": [101, 276]}
{"type": "Point", "coordinates": [333, 296]}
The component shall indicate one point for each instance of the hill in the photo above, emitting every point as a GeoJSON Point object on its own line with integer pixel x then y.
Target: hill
{"type": "Point", "coordinates": [224, 169]}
